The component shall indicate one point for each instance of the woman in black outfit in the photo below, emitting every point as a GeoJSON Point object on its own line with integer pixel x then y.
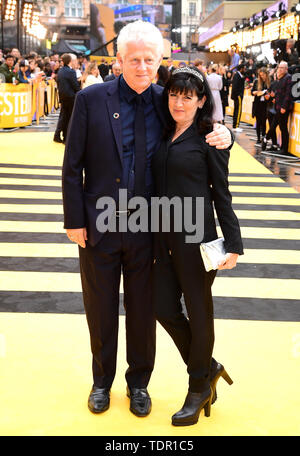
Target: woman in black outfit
{"type": "Point", "coordinates": [224, 92]}
{"type": "Point", "coordinates": [186, 166]}
{"type": "Point", "coordinates": [260, 89]}
{"type": "Point", "coordinates": [271, 113]}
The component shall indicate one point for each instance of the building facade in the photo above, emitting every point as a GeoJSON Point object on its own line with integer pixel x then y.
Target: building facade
{"type": "Point", "coordinates": [190, 21]}
{"type": "Point", "coordinates": [67, 20]}
{"type": "Point", "coordinates": [73, 21]}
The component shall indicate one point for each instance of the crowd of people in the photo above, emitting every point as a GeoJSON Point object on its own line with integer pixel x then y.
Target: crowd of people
{"type": "Point", "coordinates": [272, 88]}
{"type": "Point", "coordinates": [270, 84]}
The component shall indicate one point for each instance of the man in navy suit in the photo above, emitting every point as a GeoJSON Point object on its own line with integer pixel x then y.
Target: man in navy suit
{"type": "Point", "coordinates": [68, 86]}
{"type": "Point", "coordinates": [106, 152]}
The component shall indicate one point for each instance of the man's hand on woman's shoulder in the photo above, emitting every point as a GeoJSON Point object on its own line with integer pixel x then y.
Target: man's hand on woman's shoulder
{"type": "Point", "coordinates": [220, 137]}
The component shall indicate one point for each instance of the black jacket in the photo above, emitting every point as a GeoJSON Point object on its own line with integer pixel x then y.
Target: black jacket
{"type": "Point", "coordinates": [109, 77]}
{"type": "Point", "coordinates": [292, 58]}
{"type": "Point", "coordinates": [257, 99]}
{"type": "Point", "coordinates": [94, 148]}
{"type": "Point", "coordinates": [189, 167]}
{"type": "Point", "coordinates": [238, 86]}
{"type": "Point", "coordinates": [283, 93]}
{"type": "Point", "coordinates": [67, 83]}
{"type": "Point", "coordinates": [224, 92]}
{"type": "Point", "coordinates": [103, 70]}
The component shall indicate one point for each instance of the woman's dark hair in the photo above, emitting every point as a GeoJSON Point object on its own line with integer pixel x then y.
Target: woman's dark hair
{"type": "Point", "coordinates": [187, 83]}
{"type": "Point", "coordinates": [163, 75]}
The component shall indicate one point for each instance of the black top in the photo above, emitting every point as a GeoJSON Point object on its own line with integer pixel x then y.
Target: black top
{"type": "Point", "coordinates": [109, 77]}
{"type": "Point", "coordinates": [189, 167]}
{"type": "Point", "coordinates": [283, 93]}
{"type": "Point", "coordinates": [258, 99]}
{"type": "Point", "coordinates": [238, 86]}
{"type": "Point", "coordinates": [224, 92]}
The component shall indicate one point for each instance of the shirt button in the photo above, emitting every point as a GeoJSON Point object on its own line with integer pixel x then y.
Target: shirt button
{"type": "Point", "coordinates": [118, 179]}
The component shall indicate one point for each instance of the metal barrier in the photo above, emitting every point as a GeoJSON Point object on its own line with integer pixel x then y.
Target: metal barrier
{"type": "Point", "coordinates": [22, 104]}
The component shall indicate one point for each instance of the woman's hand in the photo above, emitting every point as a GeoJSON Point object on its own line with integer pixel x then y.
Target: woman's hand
{"type": "Point", "coordinates": [220, 137]}
{"type": "Point", "coordinates": [230, 261]}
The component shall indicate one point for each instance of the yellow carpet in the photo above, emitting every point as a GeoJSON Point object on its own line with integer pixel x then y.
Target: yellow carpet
{"type": "Point", "coordinates": [46, 378]}
{"type": "Point", "coordinates": [45, 359]}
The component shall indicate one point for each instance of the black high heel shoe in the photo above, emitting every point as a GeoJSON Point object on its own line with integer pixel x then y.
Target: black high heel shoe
{"type": "Point", "coordinates": [193, 404]}
{"type": "Point", "coordinates": [218, 372]}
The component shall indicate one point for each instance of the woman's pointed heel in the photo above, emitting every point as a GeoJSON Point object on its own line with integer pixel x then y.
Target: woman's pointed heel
{"type": "Point", "coordinates": [207, 406]}
{"type": "Point", "coordinates": [226, 377]}
{"type": "Point", "coordinates": [219, 371]}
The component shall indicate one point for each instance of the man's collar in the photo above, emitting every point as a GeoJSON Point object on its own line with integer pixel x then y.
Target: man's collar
{"type": "Point", "coordinates": [283, 76]}
{"type": "Point", "coordinates": [129, 94]}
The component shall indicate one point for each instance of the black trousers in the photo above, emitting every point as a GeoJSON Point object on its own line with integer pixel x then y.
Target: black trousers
{"type": "Point", "coordinates": [237, 111]}
{"type": "Point", "coordinates": [178, 269]}
{"type": "Point", "coordinates": [58, 129]}
{"type": "Point", "coordinates": [66, 112]}
{"type": "Point", "coordinates": [282, 121]}
{"type": "Point", "coordinates": [101, 267]}
{"type": "Point", "coordinates": [271, 134]}
{"type": "Point", "coordinates": [261, 119]}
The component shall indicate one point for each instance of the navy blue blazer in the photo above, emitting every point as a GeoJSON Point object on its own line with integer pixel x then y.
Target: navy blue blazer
{"type": "Point", "coordinates": [92, 166]}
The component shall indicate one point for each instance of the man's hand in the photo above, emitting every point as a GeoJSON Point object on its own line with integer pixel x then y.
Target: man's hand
{"type": "Point", "coordinates": [230, 261]}
{"type": "Point", "coordinates": [282, 111]}
{"type": "Point", "coordinates": [220, 137]}
{"type": "Point", "coordinates": [78, 235]}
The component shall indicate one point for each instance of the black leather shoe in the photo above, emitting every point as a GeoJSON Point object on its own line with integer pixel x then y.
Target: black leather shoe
{"type": "Point", "coordinates": [99, 399]}
{"type": "Point", "coordinates": [140, 401]}
{"type": "Point", "coordinates": [218, 371]}
{"type": "Point", "coordinates": [193, 404]}
{"type": "Point", "coordinates": [264, 144]}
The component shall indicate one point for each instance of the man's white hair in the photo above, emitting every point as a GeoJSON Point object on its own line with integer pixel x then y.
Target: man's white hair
{"type": "Point", "coordinates": [140, 31]}
{"type": "Point", "coordinates": [284, 63]}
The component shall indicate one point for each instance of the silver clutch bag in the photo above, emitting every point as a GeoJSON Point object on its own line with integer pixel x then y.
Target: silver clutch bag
{"type": "Point", "coordinates": [212, 253]}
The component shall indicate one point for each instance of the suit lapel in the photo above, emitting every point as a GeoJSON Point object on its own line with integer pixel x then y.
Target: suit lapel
{"type": "Point", "coordinates": [113, 106]}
